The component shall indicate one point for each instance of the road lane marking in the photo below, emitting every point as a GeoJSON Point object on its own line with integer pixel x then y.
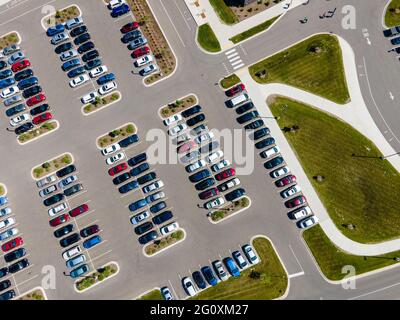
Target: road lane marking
{"type": "Point", "coordinates": [375, 291]}
{"type": "Point", "coordinates": [173, 25]}
{"type": "Point", "coordinates": [297, 260]}
{"type": "Point", "coordinates": [295, 275]}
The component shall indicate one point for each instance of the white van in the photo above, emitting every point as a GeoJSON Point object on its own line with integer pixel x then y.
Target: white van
{"type": "Point", "coordinates": [244, 97]}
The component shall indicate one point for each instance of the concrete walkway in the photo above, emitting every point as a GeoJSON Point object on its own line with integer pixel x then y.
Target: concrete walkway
{"type": "Point", "coordinates": [204, 13]}
{"type": "Point", "coordinates": [354, 113]}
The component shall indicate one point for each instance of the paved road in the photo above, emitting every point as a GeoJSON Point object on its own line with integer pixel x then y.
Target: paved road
{"type": "Point", "coordinates": [196, 73]}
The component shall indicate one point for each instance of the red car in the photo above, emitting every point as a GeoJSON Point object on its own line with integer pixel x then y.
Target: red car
{"type": "Point", "coordinates": [59, 220]}
{"type": "Point", "coordinates": [209, 193]}
{"type": "Point", "coordinates": [129, 27]}
{"type": "Point", "coordinates": [79, 210]}
{"type": "Point", "coordinates": [42, 118]}
{"type": "Point", "coordinates": [295, 202]}
{"type": "Point", "coordinates": [187, 147]}
{"type": "Point", "coordinates": [140, 52]}
{"type": "Point", "coordinates": [236, 89]}
{"type": "Point", "coordinates": [20, 65]}
{"type": "Point", "coordinates": [35, 100]}
{"type": "Point", "coordinates": [286, 180]}
{"type": "Point", "coordinates": [117, 169]}
{"type": "Point", "coordinates": [225, 174]}
{"type": "Point", "coordinates": [12, 244]}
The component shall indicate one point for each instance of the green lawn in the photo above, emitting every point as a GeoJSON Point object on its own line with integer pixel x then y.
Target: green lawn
{"type": "Point", "coordinates": [357, 190]}
{"type": "Point", "coordinates": [392, 16]}
{"type": "Point", "coordinates": [229, 81]}
{"type": "Point", "coordinates": [224, 12]}
{"type": "Point", "coordinates": [271, 284]}
{"type": "Point", "coordinates": [152, 295]}
{"type": "Point", "coordinates": [331, 259]}
{"type": "Point", "coordinates": [253, 31]}
{"type": "Point", "coordinates": [314, 65]}
{"type": "Point", "coordinates": [207, 39]}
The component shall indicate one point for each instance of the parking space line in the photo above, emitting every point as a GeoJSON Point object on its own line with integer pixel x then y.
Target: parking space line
{"type": "Point", "coordinates": [90, 223]}
{"type": "Point", "coordinates": [30, 279]}
{"type": "Point", "coordinates": [297, 260]}
{"type": "Point", "coordinates": [173, 289]}
{"type": "Point", "coordinates": [15, 285]}
{"type": "Point", "coordinates": [85, 215]}
{"type": "Point", "coordinates": [101, 255]}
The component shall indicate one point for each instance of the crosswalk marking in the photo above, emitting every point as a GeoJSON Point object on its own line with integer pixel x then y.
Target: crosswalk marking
{"type": "Point", "coordinates": [238, 66]}
{"type": "Point", "coordinates": [234, 59]}
{"type": "Point", "coordinates": [230, 51]}
{"type": "Point", "coordinates": [236, 62]}
{"type": "Point", "coordinates": [232, 55]}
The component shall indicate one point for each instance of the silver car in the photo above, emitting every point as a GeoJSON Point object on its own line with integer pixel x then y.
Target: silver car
{"type": "Point", "coordinates": [46, 191]}
{"type": "Point", "coordinates": [8, 233]}
{"type": "Point", "coordinates": [68, 55]}
{"type": "Point", "coordinates": [11, 49]}
{"type": "Point", "coordinates": [67, 181]}
{"type": "Point", "coordinates": [58, 38]}
{"type": "Point", "coordinates": [16, 57]}
{"type": "Point", "coordinates": [45, 181]}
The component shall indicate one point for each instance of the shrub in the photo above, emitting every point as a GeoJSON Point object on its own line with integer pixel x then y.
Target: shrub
{"type": "Point", "coordinates": [46, 165]}
{"type": "Point", "coordinates": [130, 128]}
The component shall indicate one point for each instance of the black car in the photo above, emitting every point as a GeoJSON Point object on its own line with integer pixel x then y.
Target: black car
{"type": "Point", "coordinates": [78, 31]}
{"type": "Point", "coordinates": [260, 133]}
{"type": "Point", "coordinates": [39, 109]}
{"type": "Point", "coordinates": [63, 47]}
{"type": "Point", "coordinates": [139, 169]}
{"type": "Point", "coordinates": [74, 189]}
{"type": "Point", "coordinates": [31, 91]}
{"type": "Point", "coordinates": [198, 176]}
{"type": "Point", "coordinates": [65, 171]}
{"type": "Point", "coordinates": [205, 184]}
{"type": "Point", "coordinates": [7, 295]}
{"type": "Point", "coordinates": [53, 199]}
{"type": "Point", "coordinates": [21, 264]}
{"type": "Point", "coordinates": [137, 159]}
{"type": "Point", "coordinates": [233, 195]}
{"type": "Point", "coordinates": [209, 147]}
{"type": "Point", "coordinates": [23, 75]}
{"type": "Point", "coordinates": [391, 32]}
{"type": "Point", "coordinates": [3, 64]}
{"type": "Point", "coordinates": [199, 280]}
{"type": "Point", "coordinates": [90, 55]}
{"type": "Point", "coordinates": [121, 178]}
{"type": "Point", "coordinates": [128, 141]}
{"type": "Point", "coordinates": [16, 109]}
{"type": "Point", "coordinates": [3, 272]}
{"type": "Point", "coordinates": [24, 128]}
{"type": "Point", "coordinates": [158, 207]}
{"type": "Point", "coordinates": [76, 72]}
{"type": "Point", "coordinates": [86, 47]}
{"type": "Point", "coordinates": [264, 143]}
{"type": "Point", "coordinates": [14, 255]}
{"type": "Point", "coordinates": [67, 241]}
{"type": "Point", "coordinates": [246, 107]}
{"type": "Point", "coordinates": [247, 117]}
{"type": "Point", "coordinates": [88, 231]}
{"type": "Point", "coordinates": [195, 120]}
{"type": "Point", "coordinates": [152, 235]}
{"type": "Point", "coordinates": [5, 74]}
{"type": "Point", "coordinates": [254, 125]}
{"type": "Point", "coordinates": [273, 163]}
{"type": "Point", "coordinates": [191, 111]}
{"type": "Point", "coordinates": [93, 64]}
{"type": "Point", "coordinates": [64, 231]}
{"type": "Point", "coordinates": [5, 284]}
{"type": "Point", "coordinates": [128, 187]}
{"type": "Point", "coordinates": [162, 217]}
{"type": "Point", "coordinates": [147, 178]}
{"type": "Point", "coordinates": [131, 35]}
{"type": "Point", "coordinates": [147, 226]}
{"type": "Point", "coordinates": [82, 38]}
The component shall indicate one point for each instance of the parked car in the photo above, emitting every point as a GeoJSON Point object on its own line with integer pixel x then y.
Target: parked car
{"type": "Point", "coordinates": [129, 27]}
{"type": "Point", "coordinates": [71, 239]}
{"type": "Point", "coordinates": [195, 166]}
{"type": "Point", "coordinates": [119, 11]}
{"type": "Point", "coordinates": [208, 193]}
{"type": "Point", "coordinates": [98, 71]}
{"type": "Point", "coordinates": [254, 125]}
{"type": "Point", "coordinates": [231, 266]}
{"type": "Point", "coordinates": [76, 261]}
{"type": "Point", "coordinates": [74, 22]}
{"type": "Point", "coordinates": [57, 209]}
{"type": "Point", "coordinates": [5, 211]}
{"type": "Point", "coordinates": [27, 73]}
{"type": "Point", "coordinates": [65, 171]}
{"type": "Point", "coordinates": [42, 118]}
{"type": "Point", "coordinates": [235, 194]}
{"type": "Point", "coordinates": [152, 235]}
{"type": "Point", "coordinates": [15, 110]}
{"type": "Point", "coordinates": [15, 57]}
{"type": "Point", "coordinates": [80, 271]}
{"type": "Point", "coordinates": [199, 280]}
{"type": "Point", "coordinates": [249, 252]}
{"type": "Point", "coordinates": [74, 189]}
{"type": "Point", "coordinates": [295, 202]}
{"type": "Point", "coordinates": [52, 31]}
{"type": "Point", "coordinates": [71, 252]}
{"type": "Point", "coordinates": [111, 149]}
{"type": "Point", "coordinates": [134, 44]}
{"type": "Point", "coordinates": [140, 217]}
{"type": "Point", "coordinates": [79, 210]}
{"type": "Point", "coordinates": [155, 197]}
{"type": "Point", "coordinates": [59, 220]}
{"type": "Point", "coordinates": [245, 107]}
{"type": "Point", "coordinates": [162, 217]}
{"type": "Point", "coordinates": [7, 82]}
{"type": "Point", "coordinates": [23, 128]}
{"type": "Point", "coordinates": [221, 165]}
{"type": "Point", "coordinates": [148, 69]}
{"type": "Point", "coordinates": [82, 39]}
{"type": "Point", "coordinates": [5, 284]}
{"type": "Point", "coordinates": [214, 156]}
{"type": "Point", "coordinates": [229, 184]}
{"type": "Point", "coordinates": [143, 61]}
{"type": "Point", "coordinates": [14, 99]}
{"type": "Point", "coordinates": [60, 37]}
{"type": "Point", "coordinates": [90, 97]}
{"type": "Point", "coordinates": [8, 92]}
{"type": "Point", "coordinates": [274, 162]}
{"type": "Point", "coordinates": [3, 64]}
{"type": "Point", "coordinates": [147, 178]}
{"type": "Point", "coordinates": [20, 65]}
{"type": "Point", "coordinates": [131, 35]}
{"type": "Point", "coordinates": [270, 152]}
{"type": "Point", "coordinates": [286, 181]}
{"type": "Point", "coordinates": [188, 286]}
{"type": "Point", "coordinates": [191, 111]}
{"type": "Point", "coordinates": [108, 87]}
{"type": "Point", "coordinates": [78, 31]}
{"type": "Point", "coordinates": [5, 74]}
{"type": "Point", "coordinates": [18, 266]}
{"type": "Point", "coordinates": [63, 47]}
{"type": "Point", "coordinates": [12, 244]}
{"type": "Point", "coordinates": [76, 72]}
{"type": "Point", "coordinates": [90, 230]}
{"type": "Point", "coordinates": [236, 89]}
{"type": "Point", "coordinates": [121, 178]}
{"type": "Point", "coordinates": [3, 200]}
{"type": "Point", "coordinates": [247, 117]}
{"type": "Point", "coordinates": [128, 187]}
{"type": "Point", "coordinates": [53, 199]}
{"type": "Point", "coordinates": [90, 56]}
{"type": "Point", "coordinates": [391, 32]}
{"type": "Point", "coordinates": [195, 120]}
{"type": "Point", "coordinates": [67, 181]}
{"type": "Point", "coordinates": [26, 83]}
{"type": "Point", "coordinates": [140, 52]}
{"type": "Point", "coordinates": [264, 143]}
{"type": "Point", "coordinates": [239, 259]}
{"type": "Point", "coordinates": [137, 159]}
{"type": "Point", "coordinates": [63, 231]}
{"type": "Point", "coordinates": [177, 129]}
{"type": "Point", "coordinates": [209, 275]}
{"type": "Point", "coordinates": [202, 185]}
{"type": "Point", "coordinates": [300, 213]}
{"type": "Point", "coordinates": [158, 207]}
{"type": "Point", "coordinates": [280, 172]}
{"type": "Point", "coordinates": [124, 143]}
{"type": "Point", "coordinates": [169, 228]}
{"type": "Point", "coordinates": [79, 80]}
{"type": "Point", "coordinates": [106, 78]}
{"type": "Point", "coordinates": [225, 174]}
{"type": "Point", "coordinates": [117, 169]}
{"type": "Point", "coordinates": [11, 49]}
{"type": "Point", "coordinates": [152, 187]}
{"type": "Point", "coordinates": [7, 295]}
{"type": "Point", "coordinates": [68, 55]}
{"type": "Point", "coordinates": [196, 177]}
{"type": "Point", "coordinates": [137, 205]}
{"type": "Point", "coordinates": [143, 228]}
{"type": "Point", "coordinates": [19, 119]}
{"type": "Point", "coordinates": [308, 222]}
{"type": "Point", "coordinates": [219, 270]}
{"type": "Point", "coordinates": [68, 65]}
{"type": "Point", "coordinates": [172, 119]}
{"type": "Point", "coordinates": [49, 190]}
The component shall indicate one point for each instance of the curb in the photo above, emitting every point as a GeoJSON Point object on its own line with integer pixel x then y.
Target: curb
{"type": "Point", "coordinates": [51, 14]}
{"type": "Point", "coordinates": [42, 135]}
{"type": "Point", "coordinates": [166, 248]}
{"type": "Point", "coordinates": [32, 290]}
{"type": "Point", "coordinates": [181, 98]}
{"type": "Point", "coordinates": [146, 292]}
{"type": "Point", "coordinates": [233, 214]}
{"type": "Point", "coordinates": [384, 14]}
{"type": "Point", "coordinates": [103, 107]}
{"type": "Point", "coordinates": [125, 124]}
{"type": "Point", "coordinates": [202, 49]}
{"type": "Point", "coordinates": [50, 173]}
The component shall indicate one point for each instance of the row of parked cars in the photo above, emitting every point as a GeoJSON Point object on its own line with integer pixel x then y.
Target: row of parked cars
{"type": "Point", "coordinates": [56, 189]}
{"type": "Point", "coordinates": [12, 249]}
{"type": "Point", "coordinates": [20, 89]}
{"type": "Point", "coordinates": [203, 159]}
{"type": "Point", "coordinates": [394, 34]}
{"type": "Point", "coordinates": [80, 59]}
{"type": "Point", "coordinates": [248, 116]}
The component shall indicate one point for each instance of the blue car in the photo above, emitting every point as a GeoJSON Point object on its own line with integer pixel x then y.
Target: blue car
{"type": "Point", "coordinates": [137, 205]}
{"type": "Point", "coordinates": [5, 74]}
{"type": "Point", "coordinates": [3, 201]}
{"type": "Point", "coordinates": [395, 41]}
{"type": "Point", "coordinates": [16, 109]}
{"type": "Point", "coordinates": [26, 83]}
{"type": "Point", "coordinates": [106, 78]}
{"type": "Point", "coordinates": [75, 261]}
{"type": "Point", "coordinates": [70, 64]}
{"type": "Point", "coordinates": [196, 177]}
{"type": "Point", "coordinates": [3, 64]}
{"type": "Point", "coordinates": [81, 270]}
{"type": "Point", "coordinates": [128, 187]}
{"type": "Point", "coordinates": [139, 169]}
{"type": "Point", "coordinates": [128, 141]}
{"type": "Point", "coordinates": [209, 275]}
{"type": "Point", "coordinates": [232, 267]}
{"type": "Point", "coordinates": [76, 72]}
{"type": "Point", "coordinates": [6, 83]}
{"type": "Point", "coordinates": [52, 31]}
{"type": "Point", "coordinates": [119, 11]}
{"type": "Point", "coordinates": [91, 242]}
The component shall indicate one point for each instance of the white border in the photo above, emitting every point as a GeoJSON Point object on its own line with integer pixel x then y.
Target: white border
{"type": "Point", "coordinates": [204, 50]}
{"type": "Point", "coordinates": [14, 31]}
{"type": "Point", "coordinates": [146, 292]}
{"type": "Point", "coordinates": [32, 290]}
{"type": "Point", "coordinates": [50, 173]}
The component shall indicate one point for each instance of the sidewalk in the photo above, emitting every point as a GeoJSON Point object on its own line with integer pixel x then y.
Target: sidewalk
{"type": "Point", "coordinates": [204, 13]}
{"type": "Point", "coordinates": [354, 113]}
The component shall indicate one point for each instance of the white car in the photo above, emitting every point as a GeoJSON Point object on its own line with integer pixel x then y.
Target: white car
{"type": "Point", "coordinates": [46, 191]}
{"type": "Point", "coordinates": [59, 208]}
{"type": "Point", "coordinates": [251, 256]}
{"type": "Point", "coordinates": [308, 222]}
{"type": "Point", "coordinates": [67, 181]}
{"type": "Point", "coordinates": [108, 87]}
{"type": "Point", "coordinates": [169, 228]}
{"type": "Point", "coordinates": [115, 3]}
{"type": "Point", "coordinates": [214, 203]}
{"type": "Point", "coordinates": [74, 22]}
{"type": "Point", "coordinates": [71, 252]}
{"type": "Point", "coordinates": [8, 92]}
{"type": "Point", "coordinates": [5, 211]}
{"type": "Point", "coordinates": [290, 191]}
{"type": "Point", "coordinates": [280, 172]}
{"type": "Point", "coordinates": [19, 119]}
{"type": "Point", "coordinates": [6, 223]}
{"type": "Point", "coordinates": [154, 186]}
{"type": "Point", "coordinates": [173, 119]}
{"type": "Point", "coordinates": [204, 137]}
{"type": "Point", "coordinates": [221, 165]}
{"type": "Point", "coordinates": [149, 69]}
{"type": "Point", "coordinates": [143, 60]}
{"type": "Point", "coordinates": [8, 233]}
{"type": "Point", "coordinates": [182, 138]}
{"type": "Point", "coordinates": [140, 217]}
{"type": "Point", "coordinates": [166, 293]}
{"type": "Point", "coordinates": [179, 128]}
{"type": "Point", "coordinates": [219, 270]}
{"type": "Point", "coordinates": [229, 185]}
{"type": "Point", "coordinates": [239, 259]}
{"type": "Point", "coordinates": [68, 55]}
{"type": "Point", "coordinates": [79, 80]}
{"type": "Point", "coordinates": [194, 166]}
{"type": "Point", "coordinates": [98, 71]}
{"type": "Point", "coordinates": [301, 213]}
{"type": "Point", "coordinates": [270, 152]}
{"type": "Point", "coordinates": [45, 181]}
{"type": "Point", "coordinates": [90, 97]}
{"type": "Point", "coordinates": [188, 286]}
{"type": "Point", "coordinates": [111, 149]}
{"type": "Point", "coordinates": [118, 157]}
{"type": "Point", "coordinates": [214, 156]}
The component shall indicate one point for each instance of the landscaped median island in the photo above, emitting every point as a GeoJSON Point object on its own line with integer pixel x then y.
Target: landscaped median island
{"type": "Point", "coordinates": [152, 295]}
{"type": "Point", "coordinates": [97, 277]}
{"type": "Point", "coordinates": [314, 65]}
{"type": "Point", "coordinates": [207, 39]}
{"type": "Point", "coordinates": [264, 281]}
{"type": "Point", "coordinates": [36, 294]}
{"type": "Point", "coordinates": [37, 132]}
{"type": "Point", "coordinates": [61, 16]}
{"type": "Point", "coordinates": [229, 81]}
{"type": "Point", "coordinates": [3, 189]}
{"type": "Point", "coordinates": [52, 165]}
{"type": "Point", "coordinates": [165, 242]}
{"type": "Point", "coordinates": [116, 135]}
{"type": "Point", "coordinates": [178, 106]}
{"type": "Point", "coordinates": [224, 212]}
{"type": "Point", "coordinates": [9, 39]}
{"type": "Point", "coordinates": [101, 102]}
{"type": "Point", "coordinates": [357, 187]}
{"type": "Point", "coordinates": [392, 15]}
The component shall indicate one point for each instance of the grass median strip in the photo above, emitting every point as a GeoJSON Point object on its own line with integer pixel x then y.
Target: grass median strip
{"type": "Point", "coordinates": [207, 39]}
{"type": "Point", "coordinates": [178, 106]}
{"type": "Point", "coordinates": [116, 135]}
{"type": "Point", "coordinates": [392, 15]}
{"type": "Point", "coordinates": [229, 81]}
{"type": "Point", "coordinates": [314, 65]}
{"type": "Point", "coordinates": [230, 209]}
{"type": "Point", "coordinates": [101, 102]}
{"type": "Point", "coordinates": [224, 12]}
{"type": "Point", "coordinates": [152, 295]}
{"type": "Point", "coordinates": [61, 16]}
{"type": "Point", "coordinates": [96, 277]}
{"type": "Point", "coordinates": [357, 187]}
{"type": "Point", "coordinates": [52, 165]}
{"type": "Point", "coordinates": [9, 39]}
{"type": "Point", "coordinates": [37, 132]}
{"type": "Point", "coordinates": [165, 242]}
